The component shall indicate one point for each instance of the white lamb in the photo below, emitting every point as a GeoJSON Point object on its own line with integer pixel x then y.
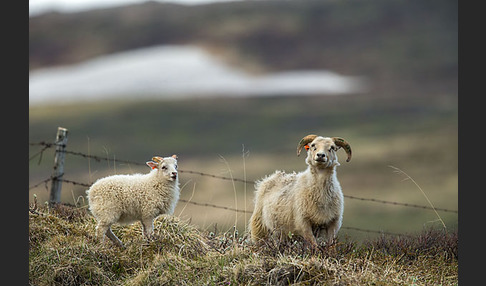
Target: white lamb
{"type": "Point", "coordinates": [125, 199]}
{"type": "Point", "coordinates": [309, 203]}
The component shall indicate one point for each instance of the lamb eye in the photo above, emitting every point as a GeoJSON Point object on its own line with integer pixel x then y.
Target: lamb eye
{"type": "Point", "coordinates": [313, 145]}
{"type": "Point", "coordinates": [164, 168]}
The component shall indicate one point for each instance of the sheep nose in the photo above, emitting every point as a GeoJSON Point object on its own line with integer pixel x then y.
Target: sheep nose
{"type": "Point", "coordinates": [321, 155]}
{"type": "Point", "coordinates": [174, 174]}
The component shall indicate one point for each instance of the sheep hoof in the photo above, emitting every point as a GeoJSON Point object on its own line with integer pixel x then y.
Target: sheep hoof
{"type": "Point", "coordinates": [109, 243]}
{"type": "Point", "coordinates": [149, 237]}
{"type": "Point", "coordinates": [331, 242]}
{"type": "Point", "coordinates": [119, 243]}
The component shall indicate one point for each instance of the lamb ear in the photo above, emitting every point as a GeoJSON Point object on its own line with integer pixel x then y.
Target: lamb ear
{"type": "Point", "coordinates": [174, 156]}
{"type": "Point", "coordinates": [152, 165]}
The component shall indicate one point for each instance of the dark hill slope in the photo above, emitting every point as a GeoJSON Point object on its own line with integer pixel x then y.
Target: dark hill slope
{"type": "Point", "coordinates": [382, 39]}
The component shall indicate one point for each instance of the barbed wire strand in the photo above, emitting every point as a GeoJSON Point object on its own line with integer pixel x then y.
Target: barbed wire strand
{"type": "Point", "coordinates": [41, 182]}
{"type": "Point", "coordinates": [98, 159]}
{"type": "Point", "coordinates": [215, 206]}
{"type": "Point", "coordinates": [233, 209]}
{"type": "Point", "coordinates": [43, 143]}
{"type": "Point", "coordinates": [229, 208]}
{"type": "Point", "coordinates": [399, 204]}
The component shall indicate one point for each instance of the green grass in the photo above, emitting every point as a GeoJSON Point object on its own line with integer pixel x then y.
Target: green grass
{"type": "Point", "coordinates": [63, 250]}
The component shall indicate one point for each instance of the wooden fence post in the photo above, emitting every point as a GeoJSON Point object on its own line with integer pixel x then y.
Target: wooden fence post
{"type": "Point", "coordinates": [56, 184]}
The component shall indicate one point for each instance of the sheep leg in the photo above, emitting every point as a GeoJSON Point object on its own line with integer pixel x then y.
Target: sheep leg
{"type": "Point", "coordinates": [332, 230]}
{"type": "Point", "coordinates": [309, 235]}
{"type": "Point", "coordinates": [257, 229]}
{"type": "Point", "coordinates": [148, 228]}
{"type": "Point", "coordinates": [103, 229]}
{"type": "Point", "coordinates": [114, 238]}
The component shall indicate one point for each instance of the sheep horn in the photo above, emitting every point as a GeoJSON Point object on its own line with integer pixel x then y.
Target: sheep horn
{"type": "Point", "coordinates": [306, 140]}
{"type": "Point", "coordinates": [342, 143]}
{"type": "Point", "coordinates": [157, 159]}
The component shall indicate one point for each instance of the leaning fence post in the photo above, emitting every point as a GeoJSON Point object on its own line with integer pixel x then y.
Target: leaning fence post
{"type": "Point", "coordinates": [56, 184]}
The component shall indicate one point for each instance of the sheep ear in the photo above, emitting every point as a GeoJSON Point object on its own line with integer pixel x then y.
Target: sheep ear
{"type": "Point", "coordinates": [174, 156]}
{"type": "Point", "coordinates": [152, 165]}
{"type": "Point", "coordinates": [157, 159]}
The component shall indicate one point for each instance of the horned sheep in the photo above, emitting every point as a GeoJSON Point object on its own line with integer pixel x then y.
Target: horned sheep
{"type": "Point", "coordinates": [126, 199]}
{"type": "Point", "coordinates": [309, 203]}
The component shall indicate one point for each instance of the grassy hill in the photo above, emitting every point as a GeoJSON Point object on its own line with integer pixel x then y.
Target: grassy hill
{"type": "Point", "coordinates": [64, 251]}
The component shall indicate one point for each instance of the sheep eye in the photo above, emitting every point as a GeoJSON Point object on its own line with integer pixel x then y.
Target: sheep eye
{"type": "Point", "coordinates": [313, 145]}
{"type": "Point", "coordinates": [164, 168]}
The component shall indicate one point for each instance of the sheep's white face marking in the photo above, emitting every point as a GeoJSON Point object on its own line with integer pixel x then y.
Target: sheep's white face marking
{"type": "Point", "coordinates": [321, 153]}
{"type": "Point", "coordinates": [167, 167]}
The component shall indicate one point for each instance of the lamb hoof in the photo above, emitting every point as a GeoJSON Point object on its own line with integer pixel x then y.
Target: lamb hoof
{"type": "Point", "coordinates": [149, 238]}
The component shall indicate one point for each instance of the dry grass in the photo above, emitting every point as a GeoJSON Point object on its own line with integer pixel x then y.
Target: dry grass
{"type": "Point", "coordinates": [64, 251]}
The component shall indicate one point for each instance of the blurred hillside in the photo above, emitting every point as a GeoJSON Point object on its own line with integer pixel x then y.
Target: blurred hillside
{"type": "Point", "coordinates": [406, 49]}
{"type": "Point", "coordinates": [412, 40]}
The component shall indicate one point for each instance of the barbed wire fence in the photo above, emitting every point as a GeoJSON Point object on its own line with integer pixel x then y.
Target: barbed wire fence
{"type": "Point", "coordinates": [45, 145]}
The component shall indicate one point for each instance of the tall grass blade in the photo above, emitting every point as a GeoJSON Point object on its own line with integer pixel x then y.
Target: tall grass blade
{"type": "Point", "coordinates": [399, 171]}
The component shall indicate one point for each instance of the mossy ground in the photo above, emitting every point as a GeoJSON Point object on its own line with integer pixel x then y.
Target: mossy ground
{"type": "Point", "coordinates": [63, 250]}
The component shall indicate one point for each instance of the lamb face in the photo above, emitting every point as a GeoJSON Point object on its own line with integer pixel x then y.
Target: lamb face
{"type": "Point", "coordinates": [167, 167]}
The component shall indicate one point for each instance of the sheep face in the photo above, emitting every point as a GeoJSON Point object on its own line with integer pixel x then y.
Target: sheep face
{"type": "Point", "coordinates": [166, 167]}
{"type": "Point", "coordinates": [321, 153]}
